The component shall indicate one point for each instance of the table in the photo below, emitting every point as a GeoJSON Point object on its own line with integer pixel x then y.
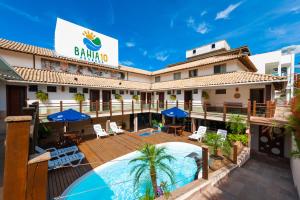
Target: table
{"type": "Point", "coordinates": [74, 136]}
{"type": "Point", "coordinates": [175, 127]}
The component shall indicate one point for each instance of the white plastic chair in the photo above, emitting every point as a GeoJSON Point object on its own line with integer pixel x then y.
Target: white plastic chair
{"type": "Point", "coordinates": [100, 132]}
{"type": "Point", "coordinates": [223, 134]}
{"type": "Point", "coordinates": [66, 161]}
{"type": "Point", "coordinates": [199, 134]}
{"type": "Point", "coordinates": [57, 153]}
{"type": "Point", "coordinates": [114, 128]}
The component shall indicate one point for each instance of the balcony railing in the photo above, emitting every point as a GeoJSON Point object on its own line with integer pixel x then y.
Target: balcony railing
{"type": "Point", "coordinates": [201, 110]}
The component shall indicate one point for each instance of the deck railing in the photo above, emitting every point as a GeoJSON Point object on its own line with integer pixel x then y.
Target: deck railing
{"type": "Point", "coordinates": [195, 109]}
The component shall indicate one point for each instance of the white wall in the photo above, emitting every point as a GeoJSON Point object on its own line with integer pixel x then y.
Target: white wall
{"type": "Point", "coordinates": [139, 77]}
{"type": "Point", "coordinates": [17, 59]}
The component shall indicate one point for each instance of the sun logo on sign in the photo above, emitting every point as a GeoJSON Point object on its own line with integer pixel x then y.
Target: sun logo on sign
{"type": "Point", "coordinates": [92, 42]}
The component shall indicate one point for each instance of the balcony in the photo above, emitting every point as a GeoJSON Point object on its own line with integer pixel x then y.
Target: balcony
{"type": "Point", "coordinates": [219, 112]}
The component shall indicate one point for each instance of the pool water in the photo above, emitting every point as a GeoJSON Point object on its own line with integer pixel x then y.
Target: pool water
{"type": "Point", "coordinates": [113, 180]}
{"type": "Point", "coordinates": [145, 134]}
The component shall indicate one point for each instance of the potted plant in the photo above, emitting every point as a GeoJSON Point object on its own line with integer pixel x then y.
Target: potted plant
{"type": "Point", "coordinates": [136, 97]}
{"type": "Point", "coordinates": [118, 97]}
{"type": "Point", "coordinates": [217, 144]}
{"type": "Point", "coordinates": [236, 124]}
{"type": "Point", "coordinates": [78, 97]}
{"type": "Point", "coordinates": [42, 96]}
{"type": "Point", "coordinates": [173, 97]}
{"type": "Point", "coordinates": [205, 95]}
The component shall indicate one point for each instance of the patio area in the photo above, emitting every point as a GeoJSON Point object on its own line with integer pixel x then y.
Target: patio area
{"type": "Point", "coordinates": [261, 177]}
{"type": "Point", "coordinates": [99, 151]}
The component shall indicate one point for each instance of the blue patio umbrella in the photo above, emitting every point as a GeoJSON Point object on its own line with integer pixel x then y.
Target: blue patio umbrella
{"type": "Point", "coordinates": [69, 115]}
{"type": "Point", "coordinates": [175, 113]}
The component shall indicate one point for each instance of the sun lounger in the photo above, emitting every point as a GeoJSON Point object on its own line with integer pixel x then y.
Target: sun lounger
{"type": "Point", "coordinates": [223, 133]}
{"type": "Point", "coordinates": [114, 128]}
{"type": "Point", "coordinates": [199, 134]}
{"type": "Point", "coordinates": [100, 132]}
{"type": "Point", "coordinates": [56, 153]}
{"type": "Point", "coordinates": [67, 160]}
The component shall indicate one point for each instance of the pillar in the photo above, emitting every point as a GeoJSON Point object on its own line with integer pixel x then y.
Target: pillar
{"type": "Point", "coordinates": [150, 119]}
{"type": "Point", "coordinates": [135, 123]}
{"type": "Point", "coordinates": [193, 128]}
{"type": "Point", "coordinates": [163, 120]}
{"type": "Point", "coordinates": [107, 126]}
{"type": "Point", "coordinates": [205, 162]}
{"type": "Point", "coordinates": [16, 157]}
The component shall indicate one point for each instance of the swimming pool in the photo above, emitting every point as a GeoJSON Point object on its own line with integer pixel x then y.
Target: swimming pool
{"type": "Point", "coordinates": [112, 180]}
{"type": "Point", "coordinates": [145, 134]}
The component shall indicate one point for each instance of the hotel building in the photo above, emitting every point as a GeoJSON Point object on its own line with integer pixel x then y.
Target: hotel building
{"type": "Point", "coordinates": [213, 82]}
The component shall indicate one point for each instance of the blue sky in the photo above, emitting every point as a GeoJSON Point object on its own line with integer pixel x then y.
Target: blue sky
{"type": "Point", "coordinates": [153, 34]}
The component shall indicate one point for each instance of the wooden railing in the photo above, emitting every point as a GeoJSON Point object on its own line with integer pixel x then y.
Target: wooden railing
{"type": "Point", "coordinates": [204, 110]}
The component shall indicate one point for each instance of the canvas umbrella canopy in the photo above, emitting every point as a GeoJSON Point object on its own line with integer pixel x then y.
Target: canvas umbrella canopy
{"type": "Point", "coordinates": [175, 113]}
{"type": "Point", "coordinates": [69, 115]}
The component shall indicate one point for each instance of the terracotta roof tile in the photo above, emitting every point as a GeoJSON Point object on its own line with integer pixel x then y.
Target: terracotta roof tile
{"type": "Point", "coordinates": [217, 80]}
{"type": "Point", "coordinates": [52, 77]}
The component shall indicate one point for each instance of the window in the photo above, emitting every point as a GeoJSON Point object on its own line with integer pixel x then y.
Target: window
{"type": "Point", "coordinates": [122, 75]}
{"type": "Point", "coordinates": [85, 90]}
{"type": "Point", "coordinates": [193, 73]}
{"type": "Point", "coordinates": [113, 91]}
{"type": "Point", "coordinates": [131, 92]}
{"type": "Point", "coordinates": [51, 88]}
{"type": "Point", "coordinates": [121, 91]}
{"type": "Point", "coordinates": [169, 92]}
{"type": "Point", "coordinates": [195, 91]}
{"type": "Point", "coordinates": [219, 69]}
{"type": "Point", "coordinates": [221, 91]}
{"type": "Point", "coordinates": [177, 76]}
{"type": "Point", "coordinates": [33, 88]}
{"type": "Point", "coordinates": [72, 90]}
{"type": "Point", "coordinates": [194, 51]}
{"type": "Point", "coordinates": [157, 79]}
{"type": "Point", "coordinates": [213, 46]}
{"type": "Point", "coordinates": [178, 92]}
{"type": "Point", "coordinates": [284, 71]}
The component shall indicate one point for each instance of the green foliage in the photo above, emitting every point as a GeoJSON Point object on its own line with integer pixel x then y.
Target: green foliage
{"type": "Point", "coordinates": [165, 189]}
{"type": "Point", "coordinates": [205, 95]}
{"type": "Point", "coordinates": [43, 131]}
{"type": "Point", "coordinates": [173, 97]}
{"type": "Point", "coordinates": [136, 97]}
{"type": "Point", "coordinates": [79, 97]}
{"type": "Point", "coordinates": [236, 124]}
{"type": "Point", "coordinates": [151, 161]}
{"type": "Point", "coordinates": [118, 97]}
{"type": "Point", "coordinates": [243, 138]}
{"type": "Point", "coordinates": [215, 142]}
{"type": "Point", "coordinates": [156, 123]}
{"type": "Point", "coordinates": [148, 194]}
{"type": "Point", "coordinates": [42, 96]}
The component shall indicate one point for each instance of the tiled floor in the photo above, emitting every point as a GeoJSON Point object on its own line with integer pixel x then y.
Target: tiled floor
{"type": "Point", "coordinates": [260, 178]}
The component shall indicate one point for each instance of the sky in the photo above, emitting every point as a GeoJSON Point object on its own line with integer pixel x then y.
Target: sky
{"type": "Point", "coordinates": [153, 34]}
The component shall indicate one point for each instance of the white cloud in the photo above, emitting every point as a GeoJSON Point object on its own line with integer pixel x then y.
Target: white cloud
{"type": "Point", "coordinates": [161, 56]}
{"type": "Point", "coordinates": [224, 14]}
{"type": "Point", "coordinates": [130, 44]}
{"type": "Point", "coordinates": [20, 12]}
{"type": "Point", "coordinates": [127, 62]}
{"type": "Point", "coordinates": [278, 31]}
{"type": "Point", "coordinates": [199, 28]}
{"type": "Point", "coordinates": [145, 53]}
{"type": "Point", "coordinates": [204, 12]}
{"type": "Point", "coordinates": [202, 28]}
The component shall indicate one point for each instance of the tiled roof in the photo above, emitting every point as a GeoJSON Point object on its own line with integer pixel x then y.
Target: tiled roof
{"type": "Point", "coordinates": [201, 62]}
{"type": "Point", "coordinates": [218, 80]}
{"type": "Point", "coordinates": [222, 57]}
{"type": "Point", "coordinates": [60, 78]}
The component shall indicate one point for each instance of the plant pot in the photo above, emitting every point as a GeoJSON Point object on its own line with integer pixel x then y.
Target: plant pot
{"type": "Point", "coordinates": [215, 162]}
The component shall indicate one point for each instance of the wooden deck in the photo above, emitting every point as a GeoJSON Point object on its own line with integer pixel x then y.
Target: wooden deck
{"type": "Point", "coordinates": [99, 151]}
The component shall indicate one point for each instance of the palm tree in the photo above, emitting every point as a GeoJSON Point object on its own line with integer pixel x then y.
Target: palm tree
{"type": "Point", "coordinates": [152, 160]}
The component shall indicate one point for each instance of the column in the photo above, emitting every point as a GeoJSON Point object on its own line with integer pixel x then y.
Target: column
{"type": "Point", "coordinates": [193, 128]}
{"type": "Point", "coordinates": [135, 123]}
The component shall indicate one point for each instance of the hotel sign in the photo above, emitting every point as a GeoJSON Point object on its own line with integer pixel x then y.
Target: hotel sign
{"type": "Point", "coordinates": [81, 43]}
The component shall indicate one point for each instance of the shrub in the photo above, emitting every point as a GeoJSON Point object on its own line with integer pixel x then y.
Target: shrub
{"type": "Point", "coordinates": [42, 96]}
{"type": "Point", "coordinates": [173, 97]}
{"type": "Point", "coordinates": [118, 97]}
{"type": "Point", "coordinates": [215, 142]}
{"type": "Point", "coordinates": [236, 124]}
{"type": "Point", "coordinates": [136, 97]}
{"type": "Point", "coordinates": [243, 138]}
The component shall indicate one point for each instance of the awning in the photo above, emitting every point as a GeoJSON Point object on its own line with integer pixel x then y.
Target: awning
{"type": "Point", "coordinates": [69, 115]}
{"type": "Point", "coordinates": [175, 113]}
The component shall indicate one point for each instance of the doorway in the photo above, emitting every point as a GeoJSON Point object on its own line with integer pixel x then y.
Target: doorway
{"type": "Point", "coordinates": [161, 99]}
{"type": "Point", "coordinates": [258, 96]}
{"type": "Point", "coordinates": [16, 99]}
{"type": "Point", "coordinates": [94, 96]}
{"type": "Point", "coordinates": [271, 140]}
{"type": "Point", "coordinates": [149, 100]}
{"type": "Point", "coordinates": [188, 96]}
{"type": "Point", "coordinates": [106, 97]}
